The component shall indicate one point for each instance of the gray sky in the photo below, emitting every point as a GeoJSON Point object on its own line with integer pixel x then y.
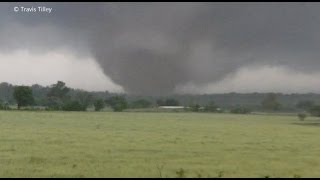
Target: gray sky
{"type": "Point", "coordinates": [162, 48]}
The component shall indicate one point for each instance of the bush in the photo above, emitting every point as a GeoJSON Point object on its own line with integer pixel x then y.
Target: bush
{"type": "Point", "coordinates": [117, 103]}
{"type": "Point", "coordinates": [181, 173]}
{"type": "Point", "coordinates": [4, 106]}
{"type": "Point", "coordinates": [54, 103]}
{"type": "Point", "coordinates": [98, 104]}
{"type": "Point", "coordinates": [73, 106]}
{"type": "Point", "coordinates": [302, 116]}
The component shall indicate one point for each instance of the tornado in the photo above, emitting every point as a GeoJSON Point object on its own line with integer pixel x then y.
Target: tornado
{"type": "Point", "coordinates": [152, 48]}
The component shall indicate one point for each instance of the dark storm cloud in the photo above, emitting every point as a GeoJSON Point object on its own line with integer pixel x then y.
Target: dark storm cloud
{"type": "Point", "coordinates": [151, 48]}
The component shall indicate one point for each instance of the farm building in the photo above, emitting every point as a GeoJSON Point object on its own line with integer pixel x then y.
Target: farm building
{"type": "Point", "coordinates": [171, 107]}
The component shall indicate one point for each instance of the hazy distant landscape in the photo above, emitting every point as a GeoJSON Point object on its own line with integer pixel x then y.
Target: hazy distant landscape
{"type": "Point", "coordinates": [289, 103]}
{"type": "Point", "coordinates": [160, 90]}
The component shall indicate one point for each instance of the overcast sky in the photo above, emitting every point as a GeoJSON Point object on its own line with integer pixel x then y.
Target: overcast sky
{"type": "Point", "coordinates": [163, 48]}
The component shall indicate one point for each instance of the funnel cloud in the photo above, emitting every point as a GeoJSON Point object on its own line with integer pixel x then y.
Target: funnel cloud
{"type": "Point", "coordinates": [155, 48]}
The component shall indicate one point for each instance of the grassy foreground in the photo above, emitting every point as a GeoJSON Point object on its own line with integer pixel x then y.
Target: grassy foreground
{"type": "Point", "coordinates": [107, 144]}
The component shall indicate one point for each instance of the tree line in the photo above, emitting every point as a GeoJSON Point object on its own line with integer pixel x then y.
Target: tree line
{"type": "Point", "coordinates": [60, 97]}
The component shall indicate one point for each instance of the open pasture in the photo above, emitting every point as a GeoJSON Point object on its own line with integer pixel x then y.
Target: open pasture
{"type": "Point", "coordinates": [135, 144]}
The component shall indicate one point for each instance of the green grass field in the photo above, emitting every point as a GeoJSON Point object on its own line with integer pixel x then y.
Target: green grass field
{"type": "Point", "coordinates": [128, 144]}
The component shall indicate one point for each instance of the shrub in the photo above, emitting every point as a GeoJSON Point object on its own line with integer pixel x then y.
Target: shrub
{"type": "Point", "coordinates": [117, 103]}
{"type": "Point", "coordinates": [73, 106]}
{"type": "Point", "coordinates": [4, 106]}
{"type": "Point", "coordinates": [181, 173]}
{"type": "Point", "coordinates": [302, 116]}
{"type": "Point", "coordinates": [98, 104]}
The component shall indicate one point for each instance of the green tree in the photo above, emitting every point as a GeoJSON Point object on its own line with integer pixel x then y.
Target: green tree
{"type": "Point", "coordinates": [84, 98]}
{"type": "Point", "coordinates": [23, 96]}
{"type": "Point", "coordinates": [270, 102]}
{"type": "Point", "coordinates": [6, 92]}
{"type": "Point", "coordinates": [59, 90]}
{"type": "Point", "coordinates": [57, 95]}
{"type": "Point", "coordinates": [98, 104]}
{"type": "Point", "coordinates": [302, 116]}
{"type": "Point", "coordinates": [117, 103]}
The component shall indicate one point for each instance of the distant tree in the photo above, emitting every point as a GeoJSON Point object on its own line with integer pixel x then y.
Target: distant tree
{"type": "Point", "coordinates": [211, 107]}
{"type": "Point", "coordinates": [98, 104]}
{"type": "Point", "coordinates": [40, 94]}
{"type": "Point", "coordinates": [57, 95]}
{"type": "Point", "coordinates": [4, 105]}
{"type": "Point", "coordinates": [6, 92]}
{"type": "Point", "coordinates": [84, 98]}
{"type": "Point", "coordinates": [117, 103]}
{"type": "Point", "coordinates": [59, 90]}
{"type": "Point", "coordinates": [270, 102]}
{"type": "Point", "coordinates": [305, 105]}
{"type": "Point", "coordinates": [23, 96]}
{"type": "Point", "coordinates": [315, 110]}
{"type": "Point", "coordinates": [141, 103]}
{"type": "Point", "coordinates": [302, 116]}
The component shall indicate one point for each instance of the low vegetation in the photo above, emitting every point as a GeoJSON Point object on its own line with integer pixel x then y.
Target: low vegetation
{"type": "Point", "coordinates": [302, 116]}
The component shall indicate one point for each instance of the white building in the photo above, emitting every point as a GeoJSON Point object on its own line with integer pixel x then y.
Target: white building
{"type": "Point", "coordinates": [171, 107]}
